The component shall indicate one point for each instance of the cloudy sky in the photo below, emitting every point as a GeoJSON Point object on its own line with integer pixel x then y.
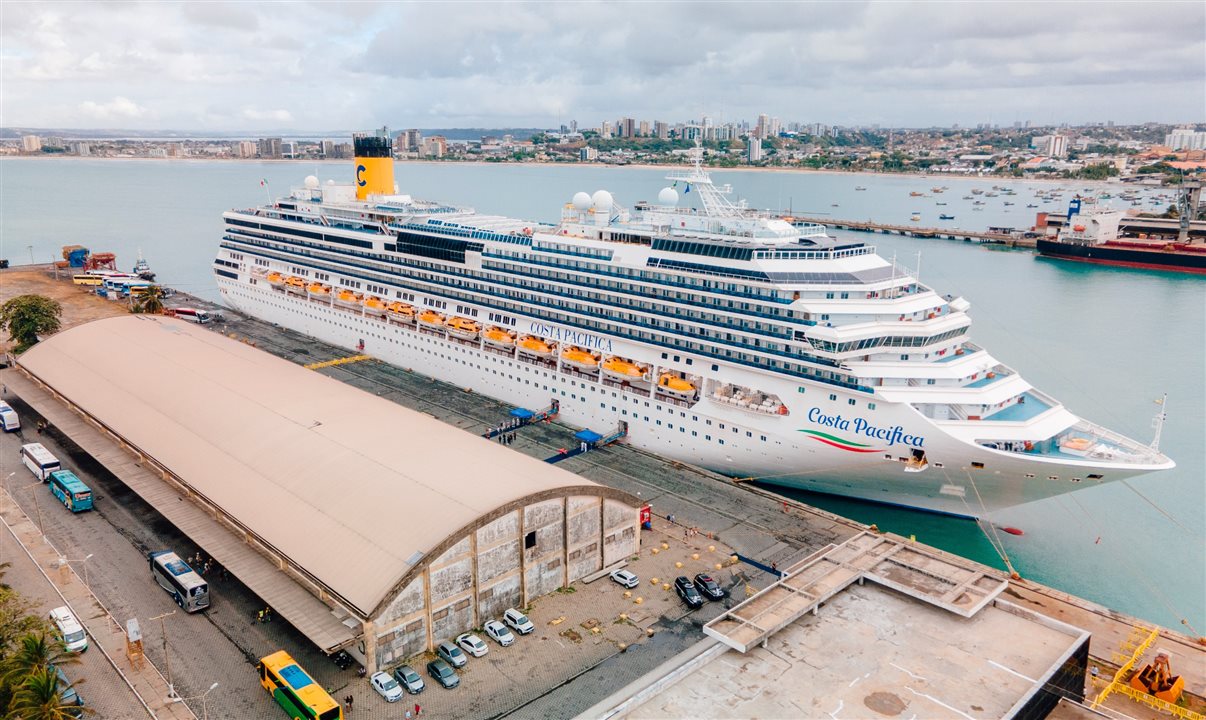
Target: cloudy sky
{"type": "Point", "coordinates": [339, 65]}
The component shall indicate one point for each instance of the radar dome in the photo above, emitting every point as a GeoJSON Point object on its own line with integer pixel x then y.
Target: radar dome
{"type": "Point", "coordinates": [311, 181]}
{"type": "Point", "coordinates": [581, 202]}
{"type": "Point", "coordinates": [668, 196]}
{"type": "Point", "coordinates": [331, 182]}
{"type": "Point", "coordinates": [602, 200]}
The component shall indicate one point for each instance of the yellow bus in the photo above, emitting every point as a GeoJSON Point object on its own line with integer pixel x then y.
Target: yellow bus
{"type": "Point", "coordinates": [88, 279]}
{"type": "Point", "coordinates": [293, 689]}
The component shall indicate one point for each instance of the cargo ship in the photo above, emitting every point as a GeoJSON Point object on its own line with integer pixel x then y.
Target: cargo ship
{"type": "Point", "coordinates": [1092, 235]}
{"type": "Point", "coordinates": [717, 334]}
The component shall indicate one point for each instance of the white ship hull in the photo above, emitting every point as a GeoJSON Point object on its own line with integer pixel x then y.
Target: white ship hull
{"type": "Point", "coordinates": [791, 450]}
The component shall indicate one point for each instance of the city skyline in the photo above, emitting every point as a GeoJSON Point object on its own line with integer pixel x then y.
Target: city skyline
{"type": "Point", "coordinates": [260, 68]}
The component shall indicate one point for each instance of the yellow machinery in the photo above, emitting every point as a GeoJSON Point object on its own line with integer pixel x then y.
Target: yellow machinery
{"type": "Point", "coordinates": [1156, 678]}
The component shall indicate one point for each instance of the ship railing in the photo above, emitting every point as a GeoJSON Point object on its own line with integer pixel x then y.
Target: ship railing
{"type": "Point", "coordinates": [1132, 450]}
{"type": "Point", "coordinates": [628, 388]}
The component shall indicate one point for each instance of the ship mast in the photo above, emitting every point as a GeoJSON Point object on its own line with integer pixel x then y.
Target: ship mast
{"type": "Point", "coordinates": [1158, 421]}
{"type": "Point", "coordinates": [712, 197]}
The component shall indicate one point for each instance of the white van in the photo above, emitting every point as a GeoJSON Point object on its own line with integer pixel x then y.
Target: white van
{"type": "Point", "coordinates": [70, 629]}
{"type": "Point", "coordinates": [39, 460]}
{"type": "Point", "coordinates": [201, 317]}
{"type": "Point", "coordinates": [9, 422]}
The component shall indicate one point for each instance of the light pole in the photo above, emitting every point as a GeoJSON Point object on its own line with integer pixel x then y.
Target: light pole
{"type": "Point", "coordinates": [166, 661]}
{"type": "Point", "coordinates": [201, 697]}
{"type": "Point", "coordinates": [37, 505]}
{"type": "Point", "coordinates": [30, 248]}
{"type": "Point", "coordinates": [84, 560]}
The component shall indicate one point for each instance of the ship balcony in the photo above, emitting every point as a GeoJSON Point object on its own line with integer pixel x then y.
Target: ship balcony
{"type": "Point", "coordinates": [1084, 442]}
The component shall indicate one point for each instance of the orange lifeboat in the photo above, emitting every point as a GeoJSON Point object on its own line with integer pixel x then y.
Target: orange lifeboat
{"type": "Point", "coordinates": [295, 284]}
{"type": "Point", "coordinates": [318, 290]}
{"type": "Point", "coordinates": [618, 368]}
{"type": "Point", "coordinates": [499, 338]}
{"type": "Point", "coordinates": [374, 306]}
{"type": "Point", "coordinates": [463, 328]}
{"type": "Point", "coordinates": [672, 384]}
{"type": "Point", "coordinates": [275, 279]}
{"type": "Point", "coordinates": [401, 312]}
{"type": "Point", "coordinates": [579, 358]}
{"type": "Point", "coordinates": [535, 346]}
{"type": "Point", "coordinates": [431, 319]}
{"type": "Point", "coordinates": [347, 298]}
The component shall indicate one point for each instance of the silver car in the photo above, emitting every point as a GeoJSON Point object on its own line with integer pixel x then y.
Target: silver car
{"type": "Point", "coordinates": [498, 632]}
{"type": "Point", "coordinates": [625, 578]}
{"type": "Point", "coordinates": [451, 654]}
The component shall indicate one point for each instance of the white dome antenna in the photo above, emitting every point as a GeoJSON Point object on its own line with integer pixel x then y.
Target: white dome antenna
{"type": "Point", "coordinates": [668, 196]}
{"type": "Point", "coordinates": [311, 182]}
{"type": "Point", "coordinates": [582, 201]}
{"type": "Point", "coordinates": [602, 201]}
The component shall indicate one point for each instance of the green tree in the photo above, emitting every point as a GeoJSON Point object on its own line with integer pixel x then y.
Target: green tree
{"type": "Point", "coordinates": [151, 301]}
{"type": "Point", "coordinates": [36, 650]}
{"type": "Point", "coordinates": [27, 316]}
{"type": "Point", "coordinates": [40, 697]}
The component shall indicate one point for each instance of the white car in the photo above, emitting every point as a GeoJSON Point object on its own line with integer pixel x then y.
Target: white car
{"type": "Point", "coordinates": [625, 578]}
{"type": "Point", "coordinates": [518, 621]}
{"type": "Point", "coordinates": [74, 637]}
{"type": "Point", "coordinates": [499, 633]}
{"type": "Point", "coordinates": [472, 644]}
{"type": "Point", "coordinates": [387, 687]}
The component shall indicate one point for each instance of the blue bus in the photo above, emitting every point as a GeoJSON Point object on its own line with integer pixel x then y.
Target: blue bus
{"type": "Point", "coordinates": [70, 490]}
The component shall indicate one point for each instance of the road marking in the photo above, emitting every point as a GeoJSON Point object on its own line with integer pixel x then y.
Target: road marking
{"type": "Point", "coordinates": [935, 700]}
{"type": "Point", "coordinates": [906, 672]}
{"type": "Point", "coordinates": [996, 664]}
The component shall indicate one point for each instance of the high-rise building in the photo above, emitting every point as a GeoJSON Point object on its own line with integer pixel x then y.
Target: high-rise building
{"type": "Point", "coordinates": [762, 128]}
{"type": "Point", "coordinates": [644, 129]}
{"type": "Point", "coordinates": [1057, 146]}
{"type": "Point", "coordinates": [627, 127]}
{"type": "Point", "coordinates": [753, 148]}
{"type": "Point", "coordinates": [661, 130]}
{"type": "Point", "coordinates": [270, 147]}
{"type": "Point", "coordinates": [605, 131]}
{"type": "Point", "coordinates": [587, 154]}
{"type": "Point", "coordinates": [414, 139]}
{"type": "Point", "coordinates": [774, 127]}
{"type": "Point", "coordinates": [327, 148]}
{"type": "Point", "coordinates": [289, 149]}
{"type": "Point", "coordinates": [82, 149]}
{"type": "Point", "coordinates": [435, 146]}
{"type": "Point", "coordinates": [1186, 138]}
{"type": "Point", "coordinates": [31, 143]}
{"type": "Point", "coordinates": [54, 142]}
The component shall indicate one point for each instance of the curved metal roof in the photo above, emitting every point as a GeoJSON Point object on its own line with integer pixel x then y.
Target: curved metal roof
{"type": "Point", "coordinates": [353, 489]}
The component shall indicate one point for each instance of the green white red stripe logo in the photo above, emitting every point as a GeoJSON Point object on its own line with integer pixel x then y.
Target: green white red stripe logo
{"type": "Point", "coordinates": [838, 442]}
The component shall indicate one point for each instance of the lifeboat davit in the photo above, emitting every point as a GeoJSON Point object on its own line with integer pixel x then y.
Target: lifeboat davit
{"type": "Point", "coordinates": [318, 290]}
{"type": "Point", "coordinates": [499, 338]}
{"type": "Point", "coordinates": [347, 298]}
{"type": "Point", "coordinates": [463, 328]}
{"type": "Point", "coordinates": [579, 358]}
{"type": "Point", "coordinates": [535, 346]}
{"type": "Point", "coordinates": [275, 279]}
{"type": "Point", "coordinates": [295, 284]}
{"type": "Point", "coordinates": [374, 306]}
{"type": "Point", "coordinates": [672, 384]}
{"type": "Point", "coordinates": [401, 312]}
{"type": "Point", "coordinates": [620, 369]}
{"type": "Point", "coordinates": [431, 319]}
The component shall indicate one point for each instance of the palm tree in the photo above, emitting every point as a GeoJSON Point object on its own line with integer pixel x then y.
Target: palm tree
{"type": "Point", "coordinates": [42, 697]}
{"type": "Point", "coordinates": [35, 651]}
{"type": "Point", "coordinates": [151, 301]}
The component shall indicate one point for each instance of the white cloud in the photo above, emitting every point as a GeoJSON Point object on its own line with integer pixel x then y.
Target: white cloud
{"type": "Point", "coordinates": [339, 66]}
{"type": "Point", "coordinates": [119, 109]}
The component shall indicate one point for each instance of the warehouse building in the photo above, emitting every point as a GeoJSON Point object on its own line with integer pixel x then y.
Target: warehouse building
{"type": "Point", "coordinates": [401, 530]}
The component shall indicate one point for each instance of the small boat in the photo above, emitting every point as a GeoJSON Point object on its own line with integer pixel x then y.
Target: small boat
{"type": "Point", "coordinates": [859, 188]}
{"type": "Point", "coordinates": [977, 192]}
{"type": "Point", "coordinates": [499, 338]}
{"type": "Point", "coordinates": [935, 189]}
{"type": "Point", "coordinates": [1007, 203]}
{"type": "Point", "coordinates": [940, 203]}
{"type": "Point", "coordinates": [143, 269]}
{"type": "Point", "coordinates": [463, 328]}
{"type": "Point", "coordinates": [620, 369]}
{"type": "Point", "coordinates": [276, 280]}
{"type": "Point", "coordinates": [946, 217]}
{"type": "Point", "coordinates": [579, 358]}
{"type": "Point", "coordinates": [1031, 205]}
{"type": "Point", "coordinates": [431, 319]}
{"type": "Point", "coordinates": [295, 284]}
{"type": "Point", "coordinates": [834, 205]}
{"type": "Point", "coordinates": [916, 217]}
{"type": "Point", "coordinates": [347, 298]}
{"type": "Point", "coordinates": [672, 384]}
{"type": "Point", "coordinates": [916, 194]}
{"type": "Point", "coordinates": [374, 306]}
{"type": "Point", "coordinates": [535, 346]}
{"type": "Point", "coordinates": [1078, 446]}
{"type": "Point", "coordinates": [401, 312]}
{"type": "Point", "coordinates": [967, 197]}
{"type": "Point", "coordinates": [318, 290]}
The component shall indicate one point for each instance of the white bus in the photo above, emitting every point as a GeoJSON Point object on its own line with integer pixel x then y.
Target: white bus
{"type": "Point", "coordinates": [201, 317]}
{"type": "Point", "coordinates": [39, 460]}
{"type": "Point", "coordinates": [185, 585]}
{"type": "Point", "coordinates": [9, 420]}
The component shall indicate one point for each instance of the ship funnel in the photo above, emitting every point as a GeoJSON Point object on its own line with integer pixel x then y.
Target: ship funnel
{"type": "Point", "coordinates": [374, 164]}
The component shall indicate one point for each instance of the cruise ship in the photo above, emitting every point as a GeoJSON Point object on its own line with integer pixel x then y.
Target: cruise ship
{"type": "Point", "coordinates": [718, 335]}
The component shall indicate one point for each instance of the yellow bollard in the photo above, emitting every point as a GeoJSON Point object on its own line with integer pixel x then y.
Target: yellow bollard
{"type": "Point", "coordinates": [665, 546]}
{"type": "Point", "coordinates": [711, 548]}
{"type": "Point", "coordinates": [654, 551]}
{"type": "Point", "coordinates": [719, 566]}
{"type": "Point", "coordinates": [624, 616]}
{"type": "Point", "coordinates": [596, 630]}
{"type": "Point", "coordinates": [665, 586]}
{"type": "Point", "coordinates": [648, 632]}
{"type": "Point", "coordinates": [639, 600]}
{"type": "Point", "coordinates": [678, 564]}
{"type": "Point", "coordinates": [627, 593]}
{"type": "Point", "coordinates": [912, 538]}
{"type": "Point", "coordinates": [733, 560]}
{"type": "Point", "coordinates": [654, 581]}
{"type": "Point", "coordinates": [694, 556]}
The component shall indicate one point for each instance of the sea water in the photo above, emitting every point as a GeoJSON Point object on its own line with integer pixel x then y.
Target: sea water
{"type": "Point", "coordinates": [1105, 341]}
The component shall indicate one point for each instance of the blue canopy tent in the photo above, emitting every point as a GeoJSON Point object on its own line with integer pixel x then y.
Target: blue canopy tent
{"type": "Point", "coordinates": [522, 413]}
{"type": "Point", "coordinates": [588, 436]}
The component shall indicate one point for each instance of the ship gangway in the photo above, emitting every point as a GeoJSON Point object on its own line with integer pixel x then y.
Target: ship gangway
{"type": "Point", "coordinates": [520, 417]}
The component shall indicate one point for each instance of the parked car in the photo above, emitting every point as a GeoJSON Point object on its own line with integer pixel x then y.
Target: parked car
{"type": "Point", "coordinates": [443, 674]}
{"type": "Point", "coordinates": [74, 637]}
{"type": "Point", "coordinates": [625, 578]}
{"type": "Point", "coordinates": [498, 633]}
{"type": "Point", "coordinates": [386, 687]}
{"type": "Point", "coordinates": [409, 679]}
{"type": "Point", "coordinates": [709, 588]}
{"type": "Point", "coordinates": [472, 644]}
{"type": "Point", "coordinates": [451, 654]}
{"type": "Point", "coordinates": [518, 621]}
{"type": "Point", "coordinates": [686, 590]}
{"type": "Point", "coordinates": [68, 695]}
